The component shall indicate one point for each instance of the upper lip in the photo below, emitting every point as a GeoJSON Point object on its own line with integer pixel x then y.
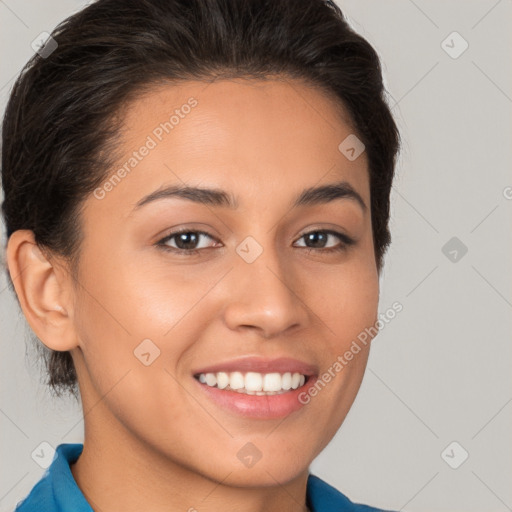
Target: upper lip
{"type": "Point", "coordinates": [261, 365]}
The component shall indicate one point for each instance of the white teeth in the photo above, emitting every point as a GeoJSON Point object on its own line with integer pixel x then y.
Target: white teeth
{"type": "Point", "coordinates": [272, 382]}
{"type": "Point", "coordinates": [211, 379]}
{"type": "Point", "coordinates": [222, 380]}
{"type": "Point", "coordinates": [254, 383]}
{"type": "Point", "coordinates": [236, 380]}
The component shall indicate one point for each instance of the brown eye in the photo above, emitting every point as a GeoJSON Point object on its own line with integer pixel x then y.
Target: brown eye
{"type": "Point", "coordinates": [185, 240]}
{"type": "Point", "coordinates": [317, 240]}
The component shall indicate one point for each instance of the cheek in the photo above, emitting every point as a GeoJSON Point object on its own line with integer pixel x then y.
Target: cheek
{"type": "Point", "coordinates": [134, 313]}
{"type": "Point", "coordinates": [130, 299]}
{"type": "Point", "coordinates": [132, 338]}
{"type": "Point", "coordinates": [346, 300]}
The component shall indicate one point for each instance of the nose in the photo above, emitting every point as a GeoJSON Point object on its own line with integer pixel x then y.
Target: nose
{"type": "Point", "coordinates": [265, 297]}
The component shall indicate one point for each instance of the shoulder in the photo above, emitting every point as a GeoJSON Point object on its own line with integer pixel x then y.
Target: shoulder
{"type": "Point", "coordinates": [40, 497]}
{"type": "Point", "coordinates": [57, 490]}
{"type": "Point", "coordinates": [322, 497]}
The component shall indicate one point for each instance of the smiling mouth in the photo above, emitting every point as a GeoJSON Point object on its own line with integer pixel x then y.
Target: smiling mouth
{"type": "Point", "coordinates": [254, 383]}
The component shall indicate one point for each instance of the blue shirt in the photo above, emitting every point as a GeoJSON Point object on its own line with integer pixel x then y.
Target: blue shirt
{"type": "Point", "coordinates": [57, 491]}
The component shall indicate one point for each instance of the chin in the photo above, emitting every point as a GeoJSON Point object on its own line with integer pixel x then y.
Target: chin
{"type": "Point", "coordinates": [264, 476]}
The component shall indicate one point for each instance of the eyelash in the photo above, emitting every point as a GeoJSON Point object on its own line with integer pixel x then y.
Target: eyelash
{"type": "Point", "coordinates": [345, 240]}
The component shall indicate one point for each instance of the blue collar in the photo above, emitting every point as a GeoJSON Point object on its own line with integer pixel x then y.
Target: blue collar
{"type": "Point", "coordinates": [57, 490]}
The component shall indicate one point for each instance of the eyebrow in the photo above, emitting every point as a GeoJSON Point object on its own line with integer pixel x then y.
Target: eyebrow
{"type": "Point", "coordinates": [216, 197]}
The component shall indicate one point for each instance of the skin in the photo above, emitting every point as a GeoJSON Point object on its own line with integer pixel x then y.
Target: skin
{"type": "Point", "coordinates": [153, 441]}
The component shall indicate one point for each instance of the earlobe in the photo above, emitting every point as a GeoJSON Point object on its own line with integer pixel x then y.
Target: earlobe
{"type": "Point", "coordinates": [43, 291]}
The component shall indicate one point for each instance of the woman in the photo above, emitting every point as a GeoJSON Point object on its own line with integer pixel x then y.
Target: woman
{"type": "Point", "coordinates": [197, 203]}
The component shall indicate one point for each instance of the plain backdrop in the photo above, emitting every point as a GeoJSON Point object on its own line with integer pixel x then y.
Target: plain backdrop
{"type": "Point", "coordinates": [430, 428]}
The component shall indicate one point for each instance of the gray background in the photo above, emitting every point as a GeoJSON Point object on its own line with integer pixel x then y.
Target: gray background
{"type": "Point", "coordinates": [440, 371]}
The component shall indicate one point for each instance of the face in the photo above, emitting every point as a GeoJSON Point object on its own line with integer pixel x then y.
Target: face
{"type": "Point", "coordinates": [286, 287]}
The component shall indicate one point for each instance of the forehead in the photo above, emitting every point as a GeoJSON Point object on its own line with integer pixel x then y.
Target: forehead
{"type": "Point", "coordinates": [245, 136]}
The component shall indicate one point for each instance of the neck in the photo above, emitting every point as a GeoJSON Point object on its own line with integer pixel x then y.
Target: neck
{"type": "Point", "coordinates": [121, 472]}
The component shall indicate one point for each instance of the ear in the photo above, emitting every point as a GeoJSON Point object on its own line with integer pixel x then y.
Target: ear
{"type": "Point", "coordinates": [44, 289]}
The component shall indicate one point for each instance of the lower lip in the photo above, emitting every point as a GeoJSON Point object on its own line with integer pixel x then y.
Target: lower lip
{"type": "Point", "coordinates": [258, 406]}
